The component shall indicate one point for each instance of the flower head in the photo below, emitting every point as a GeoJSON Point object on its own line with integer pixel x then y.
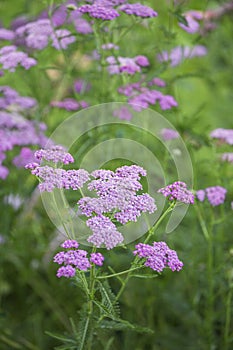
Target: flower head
{"type": "Point", "coordinates": [75, 259]}
{"type": "Point", "coordinates": [158, 256]}
{"type": "Point", "coordinates": [169, 134]}
{"type": "Point", "coordinates": [226, 135]}
{"type": "Point", "coordinates": [215, 195]}
{"type": "Point", "coordinates": [138, 10]}
{"type": "Point", "coordinates": [178, 191]}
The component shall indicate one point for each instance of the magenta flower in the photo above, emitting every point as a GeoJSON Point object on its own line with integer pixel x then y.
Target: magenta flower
{"type": "Point", "coordinates": [75, 259]}
{"type": "Point", "coordinates": [178, 191]}
{"type": "Point", "coordinates": [192, 18]}
{"type": "Point", "coordinates": [225, 135]}
{"type": "Point", "coordinates": [97, 259]}
{"type": "Point", "coordinates": [10, 59]}
{"type": "Point", "coordinates": [215, 195]}
{"type": "Point", "coordinates": [179, 53]}
{"type": "Point", "coordinates": [97, 10]}
{"type": "Point", "coordinates": [169, 134]}
{"type": "Point", "coordinates": [158, 256]}
{"type": "Point", "coordinates": [54, 154]}
{"type": "Point", "coordinates": [138, 10]}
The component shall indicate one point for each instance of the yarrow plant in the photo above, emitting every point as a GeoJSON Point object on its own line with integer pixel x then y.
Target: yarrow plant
{"type": "Point", "coordinates": [76, 54]}
{"type": "Point", "coordinates": [116, 200]}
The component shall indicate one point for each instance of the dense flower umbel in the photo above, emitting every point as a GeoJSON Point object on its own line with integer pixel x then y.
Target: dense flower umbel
{"type": "Point", "coordinates": [179, 53]}
{"type": "Point", "coordinates": [169, 134]}
{"type": "Point", "coordinates": [99, 11]}
{"type": "Point", "coordinates": [55, 154]}
{"type": "Point", "coordinates": [58, 178]}
{"type": "Point", "coordinates": [215, 195]}
{"type": "Point", "coordinates": [141, 97]}
{"type": "Point", "coordinates": [192, 19]}
{"type": "Point", "coordinates": [126, 64]}
{"type": "Point", "coordinates": [69, 104]}
{"type": "Point", "coordinates": [75, 259]}
{"type": "Point", "coordinates": [226, 135]}
{"type": "Point", "coordinates": [116, 195]}
{"type": "Point", "coordinates": [158, 256]}
{"type": "Point", "coordinates": [138, 10]}
{"type": "Point", "coordinates": [38, 34]}
{"type": "Point", "coordinates": [10, 58]}
{"type": "Point", "coordinates": [15, 130]}
{"type": "Point", "coordinates": [178, 191]}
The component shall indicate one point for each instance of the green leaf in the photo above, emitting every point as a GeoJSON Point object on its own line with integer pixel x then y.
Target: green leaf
{"type": "Point", "coordinates": [108, 299]}
{"type": "Point", "coordinates": [145, 276]}
{"type": "Point", "coordinates": [60, 337]}
{"type": "Point", "coordinates": [180, 18]}
{"type": "Point", "coordinates": [119, 324]}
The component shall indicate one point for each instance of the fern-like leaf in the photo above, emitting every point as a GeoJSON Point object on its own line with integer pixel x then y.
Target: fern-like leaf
{"type": "Point", "coordinates": [108, 299]}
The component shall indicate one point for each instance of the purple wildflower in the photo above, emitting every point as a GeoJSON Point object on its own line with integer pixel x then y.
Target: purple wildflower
{"type": "Point", "coordinates": [110, 46]}
{"type": "Point", "coordinates": [97, 259]}
{"type": "Point", "coordinates": [192, 18]}
{"type": "Point", "coordinates": [15, 130]}
{"type": "Point", "coordinates": [98, 11]}
{"type": "Point", "coordinates": [178, 191]}
{"type": "Point", "coordinates": [70, 243]}
{"type": "Point", "coordinates": [67, 271]}
{"type": "Point", "coordinates": [69, 104]}
{"type": "Point", "coordinates": [58, 178]}
{"type": "Point", "coordinates": [169, 134]}
{"type": "Point", "coordinates": [228, 157]}
{"type": "Point", "coordinates": [116, 195]}
{"type": "Point", "coordinates": [104, 232]}
{"type": "Point", "coordinates": [138, 10]}
{"type": "Point", "coordinates": [141, 97]}
{"type": "Point", "coordinates": [200, 195]}
{"type": "Point", "coordinates": [6, 34]}
{"type": "Point", "coordinates": [61, 39]}
{"type": "Point", "coordinates": [179, 53]}
{"type": "Point", "coordinates": [123, 113]}
{"type": "Point", "coordinates": [81, 86]}
{"type": "Point", "coordinates": [158, 256]}
{"type": "Point", "coordinates": [216, 195]}
{"type": "Point", "coordinates": [10, 58]}
{"type": "Point", "coordinates": [226, 135]}
{"type": "Point", "coordinates": [3, 172]}
{"type": "Point", "coordinates": [142, 61]}
{"type": "Point", "coordinates": [26, 156]}
{"type": "Point", "coordinates": [12, 100]}
{"type": "Point", "coordinates": [54, 154]}
{"type": "Point", "coordinates": [36, 34]}
{"type": "Point", "coordinates": [73, 259]}
{"type": "Point", "coordinates": [126, 64]}
{"type": "Point", "coordinates": [157, 81]}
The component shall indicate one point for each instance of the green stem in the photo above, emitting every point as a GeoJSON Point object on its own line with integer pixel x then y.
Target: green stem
{"type": "Point", "coordinates": [119, 273]}
{"type": "Point", "coordinates": [210, 282]}
{"type": "Point", "coordinates": [156, 225]}
{"type": "Point", "coordinates": [136, 259]}
{"type": "Point", "coordinates": [228, 320]}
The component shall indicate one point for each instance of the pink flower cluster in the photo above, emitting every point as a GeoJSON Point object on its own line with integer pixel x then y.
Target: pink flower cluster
{"type": "Point", "coordinates": [75, 259]}
{"type": "Point", "coordinates": [126, 65]}
{"type": "Point", "coordinates": [178, 191]}
{"type": "Point", "coordinates": [141, 96]}
{"type": "Point", "coordinates": [215, 195]}
{"type": "Point", "coordinates": [158, 256]}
